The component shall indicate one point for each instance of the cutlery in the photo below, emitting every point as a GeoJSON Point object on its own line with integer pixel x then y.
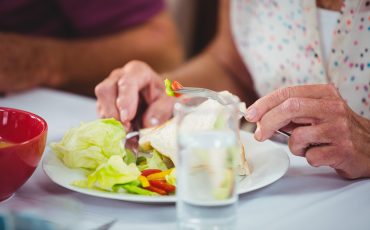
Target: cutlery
{"type": "Point", "coordinates": [283, 133]}
{"type": "Point", "coordinates": [202, 92]}
{"type": "Point", "coordinates": [207, 93]}
{"type": "Point", "coordinates": [132, 134]}
{"type": "Point", "coordinates": [130, 145]}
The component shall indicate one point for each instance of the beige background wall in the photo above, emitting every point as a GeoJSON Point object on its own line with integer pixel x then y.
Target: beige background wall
{"type": "Point", "coordinates": [183, 12]}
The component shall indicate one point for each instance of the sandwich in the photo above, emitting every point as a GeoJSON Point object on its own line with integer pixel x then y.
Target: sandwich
{"type": "Point", "coordinates": [162, 139]}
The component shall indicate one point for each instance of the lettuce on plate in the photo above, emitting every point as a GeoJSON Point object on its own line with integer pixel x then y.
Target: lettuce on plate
{"type": "Point", "coordinates": [115, 171]}
{"type": "Point", "coordinates": [91, 144]}
{"type": "Point", "coordinates": [154, 160]}
{"type": "Point", "coordinates": [171, 178]}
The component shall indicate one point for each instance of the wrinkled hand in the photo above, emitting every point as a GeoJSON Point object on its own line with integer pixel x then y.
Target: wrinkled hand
{"type": "Point", "coordinates": [327, 132]}
{"type": "Point", "coordinates": [120, 95]}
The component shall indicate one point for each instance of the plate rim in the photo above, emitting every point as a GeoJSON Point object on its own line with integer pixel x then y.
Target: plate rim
{"type": "Point", "coordinates": [159, 199]}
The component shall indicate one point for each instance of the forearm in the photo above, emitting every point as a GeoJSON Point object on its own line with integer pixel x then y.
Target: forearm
{"type": "Point", "coordinates": [84, 63]}
{"type": "Point", "coordinates": [26, 61]}
{"type": "Point", "coordinates": [206, 71]}
{"type": "Point", "coordinates": [219, 67]}
{"type": "Point", "coordinates": [156, 45]}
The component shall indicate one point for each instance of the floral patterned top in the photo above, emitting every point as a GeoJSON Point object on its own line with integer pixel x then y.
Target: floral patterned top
{"type": "Point", "coordinates": [279, 41]}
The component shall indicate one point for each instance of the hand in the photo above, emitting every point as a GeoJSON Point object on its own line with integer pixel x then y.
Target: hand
{"type": "Point", "coordinates": [120, 95]}
{"type": "Point", "coordinates": [327, 132]}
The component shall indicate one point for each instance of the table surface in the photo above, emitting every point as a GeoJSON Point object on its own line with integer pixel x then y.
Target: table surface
{"type": "Point", "coordinates": [305, 198]}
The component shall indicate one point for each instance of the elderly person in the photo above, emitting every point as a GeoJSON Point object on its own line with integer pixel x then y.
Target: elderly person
{"type": "Point", "coordinates": [309, 61]}
{"type": "Point", "coordinates": [73, 45]}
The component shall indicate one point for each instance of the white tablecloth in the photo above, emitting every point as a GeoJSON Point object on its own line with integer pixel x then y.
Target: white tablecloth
{"type": "Point", "coordinates": [305, 198]}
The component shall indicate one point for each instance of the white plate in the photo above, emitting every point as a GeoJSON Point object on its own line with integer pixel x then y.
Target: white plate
{"type": "Point", "coordinates": [269, 162]}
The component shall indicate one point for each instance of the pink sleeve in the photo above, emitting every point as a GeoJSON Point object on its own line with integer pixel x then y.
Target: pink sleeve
{"type": "Point", "coordinates": [98, 17]}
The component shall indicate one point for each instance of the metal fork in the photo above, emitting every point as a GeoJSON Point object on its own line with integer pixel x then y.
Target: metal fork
{"type": "Point", "coordinates": [207, 93]}
{"type": "Point", "coordinates": [202, 92]}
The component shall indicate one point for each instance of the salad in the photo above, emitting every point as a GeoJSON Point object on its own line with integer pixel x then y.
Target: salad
{"type": "Point", "coordinates": [97, 148]}
{"type": "Point", "coordinates": [172, 86]}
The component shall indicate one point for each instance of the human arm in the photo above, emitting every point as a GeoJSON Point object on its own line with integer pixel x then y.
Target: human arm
{"type": "Point", "coordinates": [27, 61]}
{"type": "Point", "coordinates": [327, 132]}
{"type": "Point", "coordinates": [218, 67]}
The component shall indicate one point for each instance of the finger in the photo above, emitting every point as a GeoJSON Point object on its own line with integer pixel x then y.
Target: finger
{"type": "Point", "coordinates": [156, 89]}
{"type": "Point", "coordinates": [106, 93]}
{"type": "Point", "coordinates": [128, 99]}
{"type": "Point", "coordinates": [323, 156]}
{"type": "Point", "coordinates": [128, 126]}
{"type": "Point", "coordinates": [139, 73]}
{"type": "Point", "coordinates": [270, 101]}
{"type": "Point", "coordinates": [139, 79]}
{"type": "Point", "coordinates": [305, 137]}
{"type": "Point", "coordinates": [292, 109]}
{"type": "Point", "coordinates": [349, 174]}
{"type": "Point", "coordinates": [159, 111]}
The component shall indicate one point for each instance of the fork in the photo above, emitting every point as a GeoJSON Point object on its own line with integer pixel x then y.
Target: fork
{"type": "Point", "coordinates": [203, 93]}
{"type": "Point", "coordinates": [207, 93]}
{"type": "Point", "coordinates": [128, 136]}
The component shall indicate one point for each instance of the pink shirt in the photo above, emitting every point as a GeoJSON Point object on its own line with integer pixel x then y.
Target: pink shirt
{"type": "Point", "coordinates": [74, 18]}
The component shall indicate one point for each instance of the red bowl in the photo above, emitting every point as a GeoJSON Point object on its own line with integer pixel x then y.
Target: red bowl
{"type": "Point", "coordinates": [26, 133]}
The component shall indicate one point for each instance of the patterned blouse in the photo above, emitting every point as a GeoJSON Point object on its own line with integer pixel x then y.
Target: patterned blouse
{"type": "Point", "coordinates": [279, 41]}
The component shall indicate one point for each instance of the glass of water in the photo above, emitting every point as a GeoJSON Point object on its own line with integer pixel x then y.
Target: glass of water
{"type": "Point", "coordinates": [207, 137]}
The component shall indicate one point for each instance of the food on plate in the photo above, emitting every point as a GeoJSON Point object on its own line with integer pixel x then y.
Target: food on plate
{"type": "Point", "coordinates": [97, 148]}
{"type": "Point", "coordinates": [162, 139]}
{"type": "Point", "coordinates": [91, 144]}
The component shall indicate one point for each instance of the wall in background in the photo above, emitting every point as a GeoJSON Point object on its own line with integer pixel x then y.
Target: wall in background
{"type": "Point", "coordinates": [196, 21]}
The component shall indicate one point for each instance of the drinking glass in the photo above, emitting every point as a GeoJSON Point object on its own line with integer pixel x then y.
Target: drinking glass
{"type": "Point", "coordinates": [207, 137]}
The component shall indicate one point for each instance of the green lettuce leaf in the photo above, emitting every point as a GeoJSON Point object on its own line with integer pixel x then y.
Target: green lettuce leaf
{"type": "Point", "coordinates": [171, 178]}
{"type": "Point", "coordinates": [129, 157]}
{"type": "Point", "coordinates": [135, 190]}
{"type": "Point", "coordinates": [114, 171]}
{"type": "Point", "coordinates": [156, 161]}
{"type": "Point", "coordinates": [153, 161]}
{"type": "Point", "coordinates": [169, 90]}
{"type": "Point", "coordinates": [91, 144]}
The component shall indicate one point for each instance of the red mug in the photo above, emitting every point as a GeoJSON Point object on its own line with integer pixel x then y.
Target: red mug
{"type": "Point", "coordinates": [22, 143]}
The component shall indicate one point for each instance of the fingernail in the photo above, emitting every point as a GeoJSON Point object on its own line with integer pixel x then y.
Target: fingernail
{"type": "Point", "coordinates": [153, 121]}
{"type": "Point", "coordinates": [123, 115]}
{"type": "Point", "coordinates": [251, 113]}
{"type": "Point", "coordinates": [257, 133]}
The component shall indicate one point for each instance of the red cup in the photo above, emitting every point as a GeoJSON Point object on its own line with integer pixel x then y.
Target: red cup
{"type": "Point", "coordinates": [26, 133]}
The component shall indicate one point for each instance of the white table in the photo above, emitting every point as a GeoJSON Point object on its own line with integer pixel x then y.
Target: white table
{"type": "Point", "coordinates": [305, 198]}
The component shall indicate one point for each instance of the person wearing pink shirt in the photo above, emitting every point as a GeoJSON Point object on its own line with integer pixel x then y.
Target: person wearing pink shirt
{"type": "Point", "coordinates": [73, 45]}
